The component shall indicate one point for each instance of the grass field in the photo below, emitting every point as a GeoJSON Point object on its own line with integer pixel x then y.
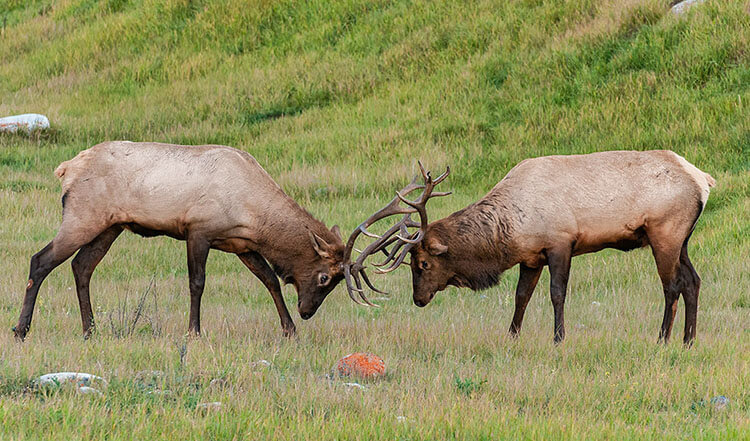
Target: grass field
{"type": "Point", "coordinates": [338, 100]}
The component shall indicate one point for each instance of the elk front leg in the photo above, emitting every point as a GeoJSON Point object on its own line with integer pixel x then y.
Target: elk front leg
{"type": "Point", "coordinates": [258, 265]}
{"type": "Point", "coordinates": [559, 269]}
{"type": "Point", "coordinates": [527, 280]}
{"type": "Point", "coordinates": [197, 254]}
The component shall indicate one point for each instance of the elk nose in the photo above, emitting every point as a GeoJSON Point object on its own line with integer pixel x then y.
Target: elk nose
{"type": "Point", "coordinates": [419, 303]}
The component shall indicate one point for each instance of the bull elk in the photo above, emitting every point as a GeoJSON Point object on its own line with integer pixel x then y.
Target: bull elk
{"type": "Point", "coordinates": [213, 197]}
{"type": "Point", "coordinates": [547, 210]}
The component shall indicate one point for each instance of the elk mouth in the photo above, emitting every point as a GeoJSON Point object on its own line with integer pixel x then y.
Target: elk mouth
{"type": "Point", "coordinates": [422, 303]}
{"type": "Point", "coordinates": [305, 314]}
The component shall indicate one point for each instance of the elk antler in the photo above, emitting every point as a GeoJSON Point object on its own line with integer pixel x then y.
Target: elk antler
{"type": "Point", "coordinates": [397, 233]}
{"type": "Point", "coordinates": [404, 240]}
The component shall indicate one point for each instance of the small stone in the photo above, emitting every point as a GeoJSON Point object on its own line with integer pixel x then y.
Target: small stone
{"type": "Point", "coordinates": [260, 364]}
{"type": "Point", "coordinates": [720, 402]}
{"type": "Point", "coordinates": [353, 386]}
{"type": "Point", "coordinates": [209, 407]}
{"type": "Point", "coordinates": [595, 303]}
{"type": "Point", "coordinates": [218, 383]}
{"type": "Point", "coordinates": [159, 392]}
{"type": "Point", "coordinates": [85, 390]}
{"type": "Point", "coordinates": [401, 419]}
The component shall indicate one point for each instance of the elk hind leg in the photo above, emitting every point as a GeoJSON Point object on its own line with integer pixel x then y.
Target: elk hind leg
{"type": "Point", "coordinates": [67, 241]}
{"type": "Point", "coordinates": [84, 265]}
{"type": "Point", "coordinates": [667, 254]}
{"type": "Point", "coordinates": [690, 284]}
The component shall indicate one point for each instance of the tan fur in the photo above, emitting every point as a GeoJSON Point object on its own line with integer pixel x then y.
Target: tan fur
{"type": "Point", "coordinates": [214, 197]}
{"type": "Point", "coordinates": [548, 209]}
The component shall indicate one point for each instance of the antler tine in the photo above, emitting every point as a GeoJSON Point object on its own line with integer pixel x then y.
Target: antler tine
{"type": "Point", "coordinates": [349, 287]}
{"type": "Point", "coordinates": [441, 193]}
{"type": "Point", "coordinates": [391, 255]}
{"type": "Point", "coordinates": [361, 291]}
{"type": "Point", "coordinates": [443, 176]}
{"type": "Point", "coordinates": [367, 281]}
{"type": "Point", "coordinates": [401, 242]}
{"type": "Point", "coordinates": [367, 233]}
{"type": "Point", "coordinates": [396, 263]}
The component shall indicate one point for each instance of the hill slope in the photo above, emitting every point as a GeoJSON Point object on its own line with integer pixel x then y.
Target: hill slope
{"type": "Point", "coordinates": [332, 88]}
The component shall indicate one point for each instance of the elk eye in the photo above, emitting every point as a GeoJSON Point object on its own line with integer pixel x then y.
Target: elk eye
{"type": "Point", "coordinates": [323, 279]}
{"type": "Point", "coordinates": [424, 264]}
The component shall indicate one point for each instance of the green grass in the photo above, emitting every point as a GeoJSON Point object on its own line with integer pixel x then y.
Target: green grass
{"type": "Point", "coordinates": [338, 100]}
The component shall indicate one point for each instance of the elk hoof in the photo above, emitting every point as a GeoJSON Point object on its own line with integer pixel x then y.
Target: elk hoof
{"type": "Point", "coordinates": [289, 332]}
{"type": "Point", "coordinates": [20, 336]}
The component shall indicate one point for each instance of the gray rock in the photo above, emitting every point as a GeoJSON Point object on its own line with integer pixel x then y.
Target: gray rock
{"type": "Point", "coordinates": [85, 390]}
{"type": "Point", "coordinates": [682, 7]}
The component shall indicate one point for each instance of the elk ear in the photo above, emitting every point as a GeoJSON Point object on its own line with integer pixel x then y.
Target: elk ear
{"type": "Point", "coordinates": [321, 246]}
{"type": "Point", "coordinates": [335, 230]}
{"type": "Point", "coordinates": [436, 248]}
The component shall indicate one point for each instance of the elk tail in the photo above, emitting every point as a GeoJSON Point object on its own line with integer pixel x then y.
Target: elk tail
{"type": "Point", "coordinates": [60, 170]}
{"type": "Point", "coordinates": [710, 180]}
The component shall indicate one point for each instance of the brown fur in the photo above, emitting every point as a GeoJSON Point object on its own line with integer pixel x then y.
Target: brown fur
{"type": "Point", "coordinates": [547, 210]}
{"type": "Point", "coordinates": [214, 197]}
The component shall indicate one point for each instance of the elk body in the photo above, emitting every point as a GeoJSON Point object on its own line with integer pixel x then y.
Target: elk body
{"type": "Point", "coordinates": [212, 197]}
{"type": "Point", "coordinates": [547, 210]}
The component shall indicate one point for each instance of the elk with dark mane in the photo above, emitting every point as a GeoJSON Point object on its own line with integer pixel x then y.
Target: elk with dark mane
{"type": "Point", "coordinates": [547, 210]}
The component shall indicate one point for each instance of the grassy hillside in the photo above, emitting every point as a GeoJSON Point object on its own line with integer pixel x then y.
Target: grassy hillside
{"type": "Point", "coordinates": [338, 100]}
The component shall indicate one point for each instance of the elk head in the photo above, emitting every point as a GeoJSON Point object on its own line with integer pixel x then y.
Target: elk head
{"type": "Point", "coordinates": [321, 274]}
{"type": "Point", "coordinates": [429, 266]}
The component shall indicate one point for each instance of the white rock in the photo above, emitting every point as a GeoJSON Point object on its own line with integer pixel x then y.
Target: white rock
{"type": "Point", "coordinates": [214, 405]}
{"type": "Point", "coordinates": [682, 7]}
{"type": "Point", "coordinates": [260, 364]}
{"type": "Point", "coordinates": [85, 390]}
{"type": "Point", "coordinates": [596, 303]}
{"type": "Point", "coordinates": [401, 419]}
{"type": "Point", "coordinates": [159, 392]}
{"type": "Point", "coordinates": [355, 386]}
{"type": "Point", "coordinates": [25, 123]}
{"type": "Point", "coordinates": [80, 378]}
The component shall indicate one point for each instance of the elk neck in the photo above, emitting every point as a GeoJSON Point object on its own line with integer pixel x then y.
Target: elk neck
{"type": "Point", "coordinates": [479, 241]}
{"type": "Point", "coordinates": [286, 238]}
